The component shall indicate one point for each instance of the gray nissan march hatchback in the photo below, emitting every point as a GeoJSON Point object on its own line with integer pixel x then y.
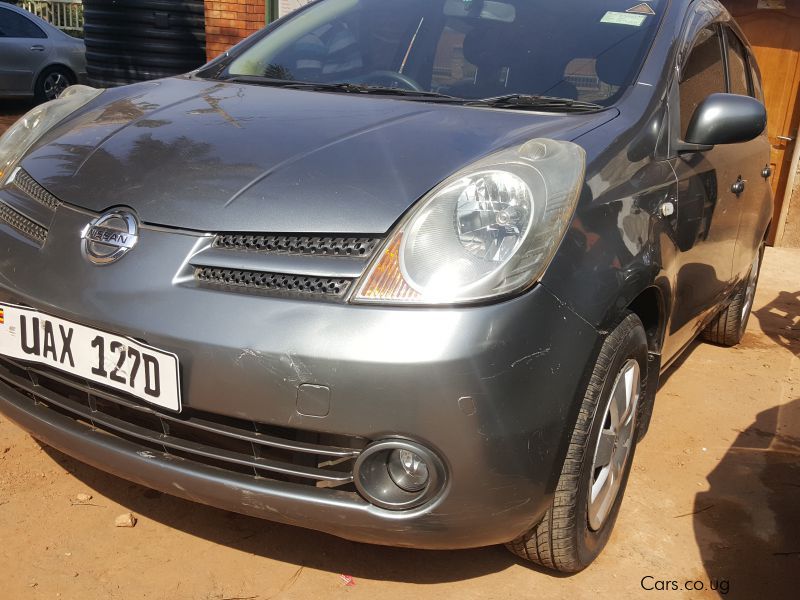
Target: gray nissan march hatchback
{"type": "Point", "coordinates": [404, 271]}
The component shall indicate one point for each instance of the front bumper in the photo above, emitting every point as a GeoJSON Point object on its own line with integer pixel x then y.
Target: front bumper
{"type": "Point", "coordinates": [493, 390]}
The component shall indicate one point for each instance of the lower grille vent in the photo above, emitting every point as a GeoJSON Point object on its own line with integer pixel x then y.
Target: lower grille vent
{"type": "Point", "coordinates": [235, 445]}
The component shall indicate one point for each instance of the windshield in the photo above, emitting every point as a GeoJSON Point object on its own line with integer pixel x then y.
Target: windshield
{"type": "Point", "coordinates": [470, 49]}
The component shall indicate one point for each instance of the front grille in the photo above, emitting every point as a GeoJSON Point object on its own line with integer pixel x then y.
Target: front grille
{"type": "Point", "coordinates": [31, 188]}
{"type": "Point", "coordinates": [275, 283]}
{"type": "Point", "coordinates": [23, 224]}
{"type": "Point", "coordinates": [357, 247]}
{"type": "Point", "coordinates": [235, 445]}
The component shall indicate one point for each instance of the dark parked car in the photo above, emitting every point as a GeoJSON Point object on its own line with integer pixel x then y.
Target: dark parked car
{"type": "Point", "coordinates": [37, 59]}
{"type": "Point", "coordinates": [406, 272]}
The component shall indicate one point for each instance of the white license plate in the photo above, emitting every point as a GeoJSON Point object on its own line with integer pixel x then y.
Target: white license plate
{"type": "Point", "coordinates": [118, 362]}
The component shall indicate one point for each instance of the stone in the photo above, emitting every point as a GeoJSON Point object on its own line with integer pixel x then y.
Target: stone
{"type": "Point", "coordinates": [125, 520]}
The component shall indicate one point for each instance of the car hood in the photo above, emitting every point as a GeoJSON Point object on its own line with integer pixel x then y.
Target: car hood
{"type": "Point", "coordinates": [212, 156]}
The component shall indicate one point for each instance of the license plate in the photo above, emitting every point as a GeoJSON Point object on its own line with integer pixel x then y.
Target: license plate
{"type": "Point", "coordinates": [115, 361]}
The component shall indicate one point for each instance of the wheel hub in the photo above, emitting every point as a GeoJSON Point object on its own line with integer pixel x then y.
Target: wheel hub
{"type": "Point", "coordinates": [54, 84]}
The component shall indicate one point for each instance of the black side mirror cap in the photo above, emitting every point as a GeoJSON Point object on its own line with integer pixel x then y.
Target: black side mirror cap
{"type": "Point", "coordinates": [725, 119]}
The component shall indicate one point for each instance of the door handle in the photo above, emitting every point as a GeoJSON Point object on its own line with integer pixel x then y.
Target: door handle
{"type": "Point", "coordinates": [738, 187]}
{"type": "Point", "coordinates": [766, 171]}
{"type": "Point", "coordinates": [37, 48]}
{"type": "Point", "coordinates": [785, 138]}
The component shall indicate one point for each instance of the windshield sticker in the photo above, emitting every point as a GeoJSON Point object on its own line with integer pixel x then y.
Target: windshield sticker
{"type": "Point", "coordinates": [641, 9]}
{"type": "Point", "coordinates": [621, 18]}
{"type": "Point", "coordinates": [287, 6]}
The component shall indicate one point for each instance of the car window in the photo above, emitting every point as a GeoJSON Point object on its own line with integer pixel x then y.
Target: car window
{"type": "Point", "coordinates": [465, 48]}
{"type": "Point", "coordinates": [737, 65]}
{"type": "Point", "coordinates": [14, 25]}
{"type": "Point", "coordinates": [702, 74]}
{"type": "Point", "coordinates": [755, 78]}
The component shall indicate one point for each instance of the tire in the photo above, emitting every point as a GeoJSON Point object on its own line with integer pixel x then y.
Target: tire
{"type": "Point", "coordinates": [51, 82]}
{"type": "Point", "coordinates": [728, 327]}
{"type": "Point", "coordinates": [575, 529]}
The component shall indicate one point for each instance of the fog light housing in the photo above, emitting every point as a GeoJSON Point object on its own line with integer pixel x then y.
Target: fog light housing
{"type": "Point", "coordinates": [398, 474]}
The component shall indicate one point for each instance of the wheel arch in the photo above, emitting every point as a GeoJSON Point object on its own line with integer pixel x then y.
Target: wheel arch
{"type": "Point", "coordinates": [650, 305]}
{"type": "Point", "coordinates": [48, 66]}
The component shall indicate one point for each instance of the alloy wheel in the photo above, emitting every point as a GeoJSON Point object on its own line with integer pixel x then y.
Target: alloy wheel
{"type": "Point", "coordinates": [54, 84]}
{"type": "Point", "coordinates": [614, 443]}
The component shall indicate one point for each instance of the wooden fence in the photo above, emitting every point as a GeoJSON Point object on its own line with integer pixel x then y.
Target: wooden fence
{"type": "Point", "coordinates": [67, 15]}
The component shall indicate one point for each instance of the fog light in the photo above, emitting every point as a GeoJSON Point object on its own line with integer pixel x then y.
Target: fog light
{"type": "Point", "coordinates": [398, 474]}
{"type": "Point", "coordinates": [408, 470]}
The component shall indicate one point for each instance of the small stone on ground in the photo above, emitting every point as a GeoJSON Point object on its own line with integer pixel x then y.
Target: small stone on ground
{"type": "Point", "coordinates": [125, 520]}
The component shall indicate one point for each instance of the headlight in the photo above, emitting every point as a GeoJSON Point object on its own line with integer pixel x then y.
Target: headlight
{"type": "Point", "coordinates": [19, 138]}
{"type": "Point", "coordinates": [489, 230]}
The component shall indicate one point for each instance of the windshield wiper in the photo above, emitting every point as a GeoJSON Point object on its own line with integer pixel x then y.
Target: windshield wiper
{"type": "Point", "coordinates": [545, 103]}
{"type": "Point", "coordinates": [346, 87]}
{"type": "Point", "coordinates": [517, 101]}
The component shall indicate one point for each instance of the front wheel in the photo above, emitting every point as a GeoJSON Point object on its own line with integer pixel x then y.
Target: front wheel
{"type": "Point", "coordinates": [579, 521]}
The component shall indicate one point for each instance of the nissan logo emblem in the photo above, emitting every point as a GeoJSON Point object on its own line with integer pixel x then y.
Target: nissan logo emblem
{"type": "Point", "coordinates": [110, 236]}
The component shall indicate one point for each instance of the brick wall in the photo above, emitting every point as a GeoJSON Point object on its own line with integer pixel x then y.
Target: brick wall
{"type": "Point", "coordinates": [229, 21]}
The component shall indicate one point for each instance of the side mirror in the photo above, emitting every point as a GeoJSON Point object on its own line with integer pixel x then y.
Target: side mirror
{"type": "Point", "coordinates": [726, 119]}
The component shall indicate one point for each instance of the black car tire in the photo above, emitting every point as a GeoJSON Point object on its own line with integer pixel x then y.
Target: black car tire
{"type": "Point", "coordinates": [728, 327]}
{"type": "Point", "coordinates": [41, 91]}
{"type": "Point", "coordinates": [564, 539]}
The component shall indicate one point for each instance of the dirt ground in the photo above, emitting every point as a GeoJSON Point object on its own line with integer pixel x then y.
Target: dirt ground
{"type": "Point", "coordinates": [712, 500]}
{"type": "Point", "coordinates": [11, 110]}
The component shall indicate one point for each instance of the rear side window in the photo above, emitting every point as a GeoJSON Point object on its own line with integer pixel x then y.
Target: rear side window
{"type": "Point", "coordinates": [755, 78]}
{"type": "Point", "coordinates": [737, 65]}
{"type": "Point", "coordinates": [13, 25]}
{"type": "Point", "coordinates": [702, 74]}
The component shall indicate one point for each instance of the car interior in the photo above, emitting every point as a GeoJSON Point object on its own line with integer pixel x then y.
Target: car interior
{"type": "Point", "coordinates": [468, 52]}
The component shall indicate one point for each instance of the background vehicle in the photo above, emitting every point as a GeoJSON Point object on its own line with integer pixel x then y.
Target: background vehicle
{"type": "Point", "coordinates": [37, 59]}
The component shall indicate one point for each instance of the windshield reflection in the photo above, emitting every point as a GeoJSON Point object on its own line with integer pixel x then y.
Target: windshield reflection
{"type": "Point", "coordinates": [468, 49]}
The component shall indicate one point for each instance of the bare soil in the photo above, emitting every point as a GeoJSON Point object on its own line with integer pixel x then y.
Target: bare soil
{"type": "Point", "coordinates": [11, 110]}
{"type": "Point", "coordinates": [713, 499]}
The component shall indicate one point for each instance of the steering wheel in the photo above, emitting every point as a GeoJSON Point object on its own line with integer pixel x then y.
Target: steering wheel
{"type": "Point", "coordinates": [392, 79]}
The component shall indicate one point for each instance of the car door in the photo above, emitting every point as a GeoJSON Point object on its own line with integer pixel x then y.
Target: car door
{"type": "Point", "coordinates": [24, 49]}
{"type": "Point", "coordinates": [753, 158]}
{"type": "Point", "coordinates": [708, 210]}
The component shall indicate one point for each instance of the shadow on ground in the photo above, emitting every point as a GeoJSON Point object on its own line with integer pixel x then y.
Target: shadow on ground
{"type": "Point", "coordinates": [293, 545]}
{"type": "Point", "coordinates": [675, 366]}
{"type": "Point", "coordinates": [780, 320]}
{"type": "Point", "coordinates": [747, 525]}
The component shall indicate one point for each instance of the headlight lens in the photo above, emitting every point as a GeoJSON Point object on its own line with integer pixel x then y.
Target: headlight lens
{"type": "Point", "coordinates": [489, 230]}
{"type": "Point", "coordinates": [21, 136]}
